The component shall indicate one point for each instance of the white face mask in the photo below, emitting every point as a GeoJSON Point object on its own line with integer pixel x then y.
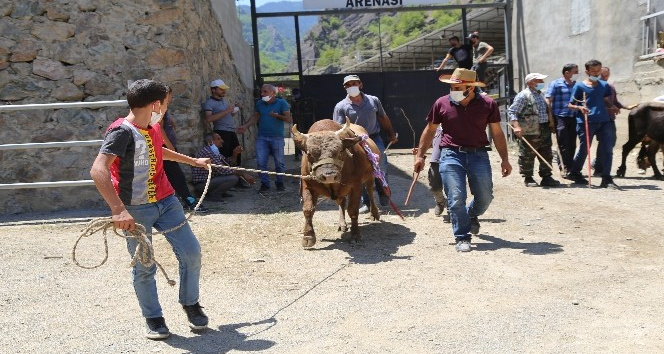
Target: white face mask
{"type": "Point", "coordinates": [457, 96]}
{"type": "Point", "coordinates": [266, 98]}
{"type": "Point", "coordinates": [353, 91]}
{"type": "Point", "coordinates": [540, 86]}
{"type": "Point", "coordinates": [574, 77]}
{"type": "Point", "coordinates": [155, 118]}
{"type": "Point", "coordinates": [593, 78]}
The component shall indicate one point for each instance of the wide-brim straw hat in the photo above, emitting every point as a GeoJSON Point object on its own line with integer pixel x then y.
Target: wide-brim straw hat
{"type": "Point", "coordinates": [462, 76]}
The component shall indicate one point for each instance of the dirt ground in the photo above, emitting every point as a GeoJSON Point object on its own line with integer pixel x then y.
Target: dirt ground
{"type": "Point", "coordinates": [554, 270]}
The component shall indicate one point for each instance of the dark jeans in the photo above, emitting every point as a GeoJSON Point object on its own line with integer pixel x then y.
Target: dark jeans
{"type": "Point", "coordinates": [230, 143]}
{"type": "Point", "coordinates": [176, 177]}
{"type": "Point", "coordinates": [604, 131]}
{"type": "Point", "coordinates": [597, 163]}
{"type": "Point", "coordinates": [566, 136]}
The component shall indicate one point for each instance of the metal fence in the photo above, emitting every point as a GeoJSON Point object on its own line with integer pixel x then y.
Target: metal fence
{"type": "Point", "coordinates": [58, 144]}
{"type": "Point", "coordinates": [652, 34]}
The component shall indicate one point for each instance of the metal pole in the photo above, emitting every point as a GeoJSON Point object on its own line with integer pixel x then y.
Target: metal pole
{"type": "Point", "coordinates": [254, 30]}
{"type": "Point", "coordinates": [299, 51]}
{"type": "Point", "coordinates": [380, 44]}
{"type": "Point", "coordinates": [508, 47]}
{"type": "Point", "coordinates": [97, 104]}
{"type": "Point", "coordinates": [464, 25]}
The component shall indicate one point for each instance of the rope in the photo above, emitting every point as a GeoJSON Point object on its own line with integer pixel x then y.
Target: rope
{"type": "Point", "coordinates": [261, 171]}
{"type": "Point", "coordinates": [144, 253]}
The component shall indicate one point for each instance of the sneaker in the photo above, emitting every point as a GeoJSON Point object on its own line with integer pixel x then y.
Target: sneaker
{"type": "Point", "coordinates": [383, 199]}
{"type": "Point", "coordinates": [364, 209]}
{"type": "Point", "coordinates": [577, 178]}
{"type": "Point", "coordinates": [548, 181]}
{"type": "Point", "coordinates": [197, 319]}
{"type": "Point", "coordinates": [474, 225]}
{"type": "Point", "coordinates": [438, 209]}
{"type": "Point", "coordinates": [608, 183]}
{"type": "Point", "coordinates": [463, 246]}
{"type": "Point", "coordinates": [529, 182]}
{"type": "Point", "coordinates": [156, 328]}
{"type": "Point", "coordinates": [201, 209]}
{"type": "Point", "coordinates": [281, 187]}
{"type": "Point", "coordinates": [264, 188]}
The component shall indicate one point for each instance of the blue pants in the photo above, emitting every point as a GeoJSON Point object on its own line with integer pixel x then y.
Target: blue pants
{"type": "Point", "coordinates": [266, 146]}
{"type": "Point", "coordinates": [455, 167]}
{"type": "Point", "coordinates": [606, 133]}
{"type": "Point", "coordinates": [163, 215]}
{"type": "Point", "coordinates": [383, 167]}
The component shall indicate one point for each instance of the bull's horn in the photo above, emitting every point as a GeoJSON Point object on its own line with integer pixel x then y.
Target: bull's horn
{"type": "Point", "coordinates": [297, 134]}
{"type": "Point", "coordinates": [345, 127]}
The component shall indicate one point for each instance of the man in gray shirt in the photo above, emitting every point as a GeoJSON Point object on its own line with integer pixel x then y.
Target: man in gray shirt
{"type": "Point", "coordinates": [366, 111]}
{"type": "Point", "coordinates": [481, 52]}
{"type": "Point", "coordinates": [221, 115]}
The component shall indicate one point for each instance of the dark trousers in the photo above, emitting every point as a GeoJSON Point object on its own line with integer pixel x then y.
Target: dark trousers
{"type": "Point", "coordinates": [176, 177]}
{"type": "Point", "coordinates": [566, 136]}
{"type": "Point", "coordinates": [230, 143]}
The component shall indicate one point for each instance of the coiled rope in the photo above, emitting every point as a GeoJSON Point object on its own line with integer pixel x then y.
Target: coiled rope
{"type": "Point", "coordinates": [144, 253]}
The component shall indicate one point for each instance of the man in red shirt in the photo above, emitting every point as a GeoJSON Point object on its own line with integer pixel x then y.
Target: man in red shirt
{"type": "Point", "coordinates": [129, 174]}
{"type": "Point", "coordinates": [464, 115]}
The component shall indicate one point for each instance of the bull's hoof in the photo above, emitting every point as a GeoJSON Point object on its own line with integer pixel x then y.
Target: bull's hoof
{"type": "Point", "coordinates": [621, 171]}
{"type": "Point", "coordinates": [342, 228]}
{"type": "Point", "coordinates": [658, 177]}
{"type": "Point", "coordinates": [308, 241]}
{"type": "Point", "coordinates": [351, 239]}
{"type": "Point", "coordinates": [375, 217]}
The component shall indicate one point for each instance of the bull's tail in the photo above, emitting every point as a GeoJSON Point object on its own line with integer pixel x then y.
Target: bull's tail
{"type": "Point", "coordinates": [388, 193]}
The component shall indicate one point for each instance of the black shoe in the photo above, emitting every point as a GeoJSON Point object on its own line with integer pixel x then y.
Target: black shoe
{"type": "Point", "coordinates": [608, 183]}
{"type": "Point", "coordinates": [577, 178]}
{"type": "Point", "coordinates": [197, 319]}
{"type": "Point", "coordinates": [201, 209]}
{"type": "Point", "coordinates": [156, 328]}
{"type": "Point", "coordinates": [548, 181]}
{"type": "Point", "coordinates": [281, 187]}
{"type": "Point", "coordinates": [264, 188]}
{"type": "Point", "coordinates": [474, 225]}
{"type": "Point", "coordinates": [529, 182]}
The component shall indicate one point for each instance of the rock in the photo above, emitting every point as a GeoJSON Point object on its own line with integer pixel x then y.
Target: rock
{"type": "Point", "coordinates": [67, 92]}
{"type": "Point", "coordinates": [27, 9]}
{"type": "Point", "coordinates": [164, 17]}
{"type": "Point", "coordinates": [50, 69]}
{"type": "Point", "coordinates": [166, 57]}
{"type": "Point", "coordinates": [24, 51]}
{"type": "Point", "coordinates": [86, 5]}
{"type": "Point", "coordinates": [4, 61]}
{"type": "Point", "coordinates": [13, 93]}
{"type": "Point", "coordinates": [53, 31]}
{"type": "Point", "coordinates": [81, 76]}
{"type": "Point", "coordinates": [70, 52]}
{"type": "Point", "coordinates": [5, 45]}
{"type": "Point", "coordinates": [55, 14]}
{"type": "Point", "coordinates": [99, 86]}
{"type": "Point", "coordinates": [173, 74]}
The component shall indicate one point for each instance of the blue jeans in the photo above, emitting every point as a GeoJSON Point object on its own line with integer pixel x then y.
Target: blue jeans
{"type": "Point", "coordinates": [606, 133]}
{"type": "Point", "coordinates": [266, 146]}
{"type": "Point", "coordinates": [163, 215]}
{"type": "Point", "coordinates": [383, 167]}
{"type": "Point", "coordinates": [455, 167]}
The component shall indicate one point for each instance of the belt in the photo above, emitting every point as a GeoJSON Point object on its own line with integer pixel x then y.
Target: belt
{"type": "Point", "coordinates": [468, 149]}
{"type": "Point", "coordinates": [566, 116]}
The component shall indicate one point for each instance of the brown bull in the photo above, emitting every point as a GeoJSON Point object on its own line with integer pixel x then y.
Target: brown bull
{"type": "Point", "coordinates": [338, 168]}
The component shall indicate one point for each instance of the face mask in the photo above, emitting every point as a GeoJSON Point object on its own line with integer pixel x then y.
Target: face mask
{"type": "Point", "coordinates": [593, 78]}
{"type": "Point", "coordinates": [215, 149]}
{"type": "Point", "coordinates": [457, 96]}
{"type": "Point", "coordinates": [155, 118]}
{"type": "Point", "coordinates": [540, 86]}
{"type": "Point", "coordinates": [266, 98]}
{"type": "Point", "coordinates": [574, 77]}
{"type": "Point", "coordinates": [353, 91]}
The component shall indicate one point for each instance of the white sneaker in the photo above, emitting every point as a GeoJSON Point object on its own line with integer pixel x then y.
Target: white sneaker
{"type": "Point", "coordinates": [364, 209]}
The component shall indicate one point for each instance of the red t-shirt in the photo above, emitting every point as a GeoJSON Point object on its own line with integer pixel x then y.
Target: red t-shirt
{"type": "Point", "coordinates": [138, 171]}
{"type": "Point", "coordinates": [464, 126]}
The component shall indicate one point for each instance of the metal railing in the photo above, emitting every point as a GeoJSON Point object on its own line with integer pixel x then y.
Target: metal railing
{"type": "Point", "coordinates": [58, 144]}
{"type": "Point", "coordinates": [649, 23]}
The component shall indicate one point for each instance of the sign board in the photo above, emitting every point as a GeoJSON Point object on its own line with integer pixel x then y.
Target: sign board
{"type": "Point", "coordinates": [366, 4]}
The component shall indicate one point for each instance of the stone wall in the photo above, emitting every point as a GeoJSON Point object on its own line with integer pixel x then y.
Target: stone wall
{"type": "Point", "coordinates": [86, 50]}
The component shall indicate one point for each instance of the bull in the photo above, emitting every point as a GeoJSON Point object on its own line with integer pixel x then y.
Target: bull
{"type": "Point", "coordinates": [647, 146]}
{"type": "Point", "coordinates": [338, 167]}
{"type": "Point", "coordinates": [645, 120]}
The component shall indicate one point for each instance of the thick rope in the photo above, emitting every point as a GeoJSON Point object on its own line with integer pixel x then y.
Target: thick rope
{"type": "Point", "coordinates": [144, 253]}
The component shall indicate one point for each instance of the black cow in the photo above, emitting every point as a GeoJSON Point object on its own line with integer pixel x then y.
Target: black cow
{"type": "Point", "coordinates": [645, 120]}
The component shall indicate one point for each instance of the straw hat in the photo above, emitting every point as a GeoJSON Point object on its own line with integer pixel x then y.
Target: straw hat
{"type": "Point", "coordinates": [462, 76]}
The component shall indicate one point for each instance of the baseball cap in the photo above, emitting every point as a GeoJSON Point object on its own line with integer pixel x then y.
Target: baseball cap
{"type": "Point", "coordinates": [534, 76]}
{"type": "Point", "coordinates": [351, 78]}
{"type": "Point", "coordinates": [219, 83]}
{"type": "Point", "coordinates": [473, 35]}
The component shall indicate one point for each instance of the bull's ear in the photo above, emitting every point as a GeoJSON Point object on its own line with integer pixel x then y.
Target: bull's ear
{"type": "Point", "coordinates": [299, 139]}
{"type": "Point", "coordinates": [349, 142]}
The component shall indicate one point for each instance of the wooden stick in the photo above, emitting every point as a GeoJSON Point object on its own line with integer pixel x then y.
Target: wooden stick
{"type": "Point", "coordinates": [410, 190]}
{"type": "Point", "coordinates": [535, 151]}
{"type": "Point", "coordinates": [585, 117]}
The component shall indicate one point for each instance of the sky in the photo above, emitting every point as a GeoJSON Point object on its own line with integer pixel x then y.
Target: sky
{"type": "Point", "coordinates": [261, 2]}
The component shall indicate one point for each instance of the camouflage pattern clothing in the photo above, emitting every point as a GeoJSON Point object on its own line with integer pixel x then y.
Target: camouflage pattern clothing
{"type": "Point", "coordinates": [543, 144]}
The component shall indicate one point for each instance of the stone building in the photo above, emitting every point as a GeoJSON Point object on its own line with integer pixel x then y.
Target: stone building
{"type": "Point", "coordinates": [89, 50]}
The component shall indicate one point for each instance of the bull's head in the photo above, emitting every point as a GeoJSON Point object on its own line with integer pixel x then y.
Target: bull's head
{"type": "Point", "coordinates": [326, 151]}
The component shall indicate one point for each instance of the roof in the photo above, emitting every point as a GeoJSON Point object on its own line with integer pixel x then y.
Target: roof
{"type": "Point", "coordinates": [422, 52]}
